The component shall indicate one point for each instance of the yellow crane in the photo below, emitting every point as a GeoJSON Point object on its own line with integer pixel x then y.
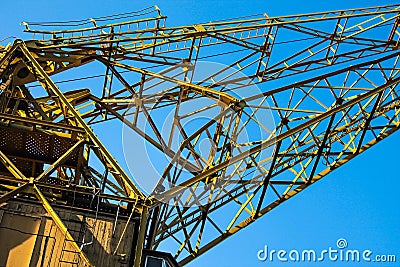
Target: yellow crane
{"type": "Point", "coordinates": [239, 116]}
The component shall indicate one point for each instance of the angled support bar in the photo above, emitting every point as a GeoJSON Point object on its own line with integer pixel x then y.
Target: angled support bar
{"type": "Point", "coordinates": [21, 189]}
{"type": "Point", "coordinates": [60, 224]}
{"type": "Point", "coordinates": [11, 167]}
{"type": "Point", "coordinates": [60, 161]}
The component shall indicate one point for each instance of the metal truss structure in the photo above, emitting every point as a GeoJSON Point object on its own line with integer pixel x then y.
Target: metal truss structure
{"type": "Point", "coordinates": [297, 97]}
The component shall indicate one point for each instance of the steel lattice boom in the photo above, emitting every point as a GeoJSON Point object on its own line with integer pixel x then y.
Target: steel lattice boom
{"type": "Point", "coordinates": [241, 115]}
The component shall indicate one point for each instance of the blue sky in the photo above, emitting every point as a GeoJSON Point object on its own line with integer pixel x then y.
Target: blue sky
{"type": "Point", "coordinates": [358, 202]}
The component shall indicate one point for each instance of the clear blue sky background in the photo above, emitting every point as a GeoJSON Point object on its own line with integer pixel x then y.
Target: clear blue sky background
{"type": "Point", "coordinates": [359, 201]}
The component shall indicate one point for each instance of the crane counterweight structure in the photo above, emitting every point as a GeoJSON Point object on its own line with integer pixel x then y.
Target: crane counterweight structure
{"type": "Point", "coordinates": [240, 114]}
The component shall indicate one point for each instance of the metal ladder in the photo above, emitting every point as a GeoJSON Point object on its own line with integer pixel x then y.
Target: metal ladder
{"type": "Point", "coordinates": [71, 257]}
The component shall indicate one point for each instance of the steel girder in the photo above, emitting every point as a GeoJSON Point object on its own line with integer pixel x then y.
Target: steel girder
{"type": "Point", "coordinates": [297, 97]}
